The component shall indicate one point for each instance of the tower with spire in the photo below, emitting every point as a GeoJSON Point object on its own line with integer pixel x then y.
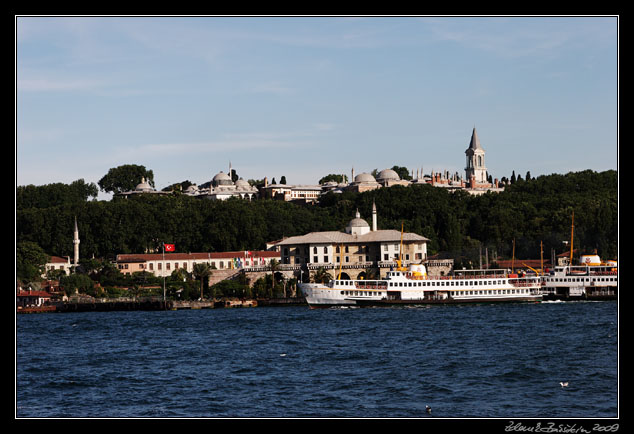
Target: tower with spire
{"type": "Point", "coordinates": [373, 216]}
{"type": "Point", "coordinates": [475, 161]}
{"type": "Point", "coordinates": [76, 245]}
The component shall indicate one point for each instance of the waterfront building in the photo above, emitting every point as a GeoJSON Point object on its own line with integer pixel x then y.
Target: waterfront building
{"type": "Point", "coordinates": [30, 298]}
{"type": "Point", "coordinates": [58, 263]}
{"type": "Point", "coordinates": [359, 248]}
{"type": "Point", "coordinates": [164, 265]}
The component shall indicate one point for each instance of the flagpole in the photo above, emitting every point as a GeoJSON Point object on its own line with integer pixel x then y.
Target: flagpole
{"type": "Point", "coordinates": [164, 300]}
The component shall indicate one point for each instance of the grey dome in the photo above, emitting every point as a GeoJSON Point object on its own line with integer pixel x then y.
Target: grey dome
{"type": "Point", "coordinates": [388, 174]}
{"type": "Point", "coordinates": [222, 179]}
{"type": "Point", "coordinates": [364, 177]}
{"type": "Point", "coordinates": [144, 186]}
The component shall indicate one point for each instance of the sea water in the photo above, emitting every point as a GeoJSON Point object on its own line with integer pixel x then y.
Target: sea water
{"type": "Point", "coordinates": [471, 361]}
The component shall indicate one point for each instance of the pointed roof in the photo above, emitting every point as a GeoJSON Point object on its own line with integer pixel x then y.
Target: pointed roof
{"type": "Point", "coordinates": [475, 142]}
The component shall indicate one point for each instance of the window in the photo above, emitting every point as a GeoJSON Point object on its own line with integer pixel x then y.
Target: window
{"type": "Point", "coordinates": [386, 256]}
{"type": "Point", "coordinates": [315, 250]}
{"type": "Point", "coordinates": [315, 257]}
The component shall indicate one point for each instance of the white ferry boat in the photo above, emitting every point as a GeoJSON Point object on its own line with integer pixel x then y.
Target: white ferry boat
{"type": "Point", "coordinates": [592, 280]}
{"type": "Point", "coordinates": [412, 286]}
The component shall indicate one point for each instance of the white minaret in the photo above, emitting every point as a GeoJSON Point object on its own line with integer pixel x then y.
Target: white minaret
{"type": "Point", "coordinates": [373, 216]}
{"type": "Point", "coordinates": [76, 244]}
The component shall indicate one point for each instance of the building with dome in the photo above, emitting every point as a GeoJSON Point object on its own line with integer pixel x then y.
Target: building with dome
{"type": "Point", "coordinates": [143, 187]}
{"type": "Point", "coordinates": [223, 187]}
{"type": "Point", "coordinates": [361, 247]}
{"type": "Point", "coordinates": [363, 182]}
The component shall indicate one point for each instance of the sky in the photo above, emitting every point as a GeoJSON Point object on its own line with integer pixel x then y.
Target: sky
{"type": "Point", "coordinates": [303, 97]}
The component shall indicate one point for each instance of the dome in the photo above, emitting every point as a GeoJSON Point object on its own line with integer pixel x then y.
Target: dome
{"type": "Point", "coordinates": [386, 174]}
{"type": "Point", "coordinates": [222, 179]}
{"type": "Point", "coordinates": [241, 183]}
{"type": "Point", "coordinates": [143, 186]}
{"type": "Point", "coordinates": [357, 226]}
{"type": "Point", "coordinates": [358, 223]}
{"type": "Point", "coordinates": [364, 177]}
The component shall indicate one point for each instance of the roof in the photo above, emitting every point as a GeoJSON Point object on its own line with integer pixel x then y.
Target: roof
{"type": "Point", "coordinates": [143, 257]}
{"type": "Point", "coordinates": [475, 142]}
{"type": "Point", "coordinates": [364, 177]}
{"type": "Point", "coordinates": [41, 294]}
{"type": "Point", "coordinates": [388, 174]}
{"type": "Point", "coordinates": [335, 237]}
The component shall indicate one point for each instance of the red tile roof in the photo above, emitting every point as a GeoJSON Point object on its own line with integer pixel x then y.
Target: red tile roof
{"type": "Point", "coordinates": [42, 294]}
{"type": "Point", "coordinates": [143, 257]}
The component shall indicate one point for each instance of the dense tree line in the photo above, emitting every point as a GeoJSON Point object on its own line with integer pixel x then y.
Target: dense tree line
{"type": "Point", "coordinates": [457, 224]}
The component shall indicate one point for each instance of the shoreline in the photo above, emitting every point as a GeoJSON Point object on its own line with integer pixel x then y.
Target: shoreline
{"type": "Point", "coordinates": [157, 305]}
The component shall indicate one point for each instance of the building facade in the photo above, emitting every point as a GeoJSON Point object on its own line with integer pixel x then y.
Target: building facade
{"type": "Point", "coordinates": [355, 251]}
{"type": "Point", "coordinates": [164, 265]}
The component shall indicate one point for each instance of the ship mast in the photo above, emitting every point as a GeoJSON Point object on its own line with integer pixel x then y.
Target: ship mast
{"type": "Point", "coordinates": [541, 254]}
{"type": "Point", "coordinates": [340, 260]}
{"type": "Point", "coordinates": [400, 251]}
{"type": "Point", "coordinates": [572, 234]}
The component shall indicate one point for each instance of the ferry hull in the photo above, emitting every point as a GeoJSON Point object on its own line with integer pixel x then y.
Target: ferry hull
{"type": "Point", "coordinates": [320, 297]}
{"type": "Point", "coordinates": [483, 300]}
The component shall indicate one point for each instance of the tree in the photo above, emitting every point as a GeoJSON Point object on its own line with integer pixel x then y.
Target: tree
{"type": "Point", "coordinates": [201, 272]}
{"type": "Point", "coordinates": [274, 264]}
{"type": "Point", "coordinates": [402, 172]}
{"type": "Point", "coordinates": [321, 276]}
{"type": "Point", "coordinates": [125, 178]}
{"type": "Point", "coordinates": [333, 177]}
{"type": "Point", "coordinates": [44, 196]}
{"type": "Point", "coordinates": [76, 283]}
{"type": "Point", "coordinates": [30, 261]}
{"type": "Point", "coordinates": [283, 180]}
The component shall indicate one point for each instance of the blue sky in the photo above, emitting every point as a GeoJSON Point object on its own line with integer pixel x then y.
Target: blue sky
{"type": "Point", "coordinates": [308, 96]}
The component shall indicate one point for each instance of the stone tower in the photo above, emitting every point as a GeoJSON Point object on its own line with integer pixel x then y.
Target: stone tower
{"type": "Point", "coordinates": [475, 160]}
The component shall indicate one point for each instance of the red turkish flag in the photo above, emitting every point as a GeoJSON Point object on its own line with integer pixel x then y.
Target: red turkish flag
{"type": "Point", "coordinates": [170, 247]}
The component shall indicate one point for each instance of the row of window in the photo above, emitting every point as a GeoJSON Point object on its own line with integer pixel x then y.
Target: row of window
{"type": "Point", "coordinates": [493, 292]}
{"type": "Point", "coordinates": [580, 279]}
{"type": "Point", "coordinates": [347, 259]}
{"type": "Point", "coordinates": [346, 249]}
{"type": "Point", "coordinates": [184, 265]}
{"type": "Point", "coordinates": [449, 283]}
{"type": "Point", "coordinates": [456, 293]}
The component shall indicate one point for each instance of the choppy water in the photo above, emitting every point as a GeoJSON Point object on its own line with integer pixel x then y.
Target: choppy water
{"type": "Point", "coordinates": [464, 361]}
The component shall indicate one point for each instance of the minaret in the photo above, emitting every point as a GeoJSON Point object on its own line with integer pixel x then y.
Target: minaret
{"type": "Point", "coordinates": [475, 160]}
{"type": "Point", "coordinates": [76, 244]}
{"type": "Point", "coordinates": [373, 216]}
